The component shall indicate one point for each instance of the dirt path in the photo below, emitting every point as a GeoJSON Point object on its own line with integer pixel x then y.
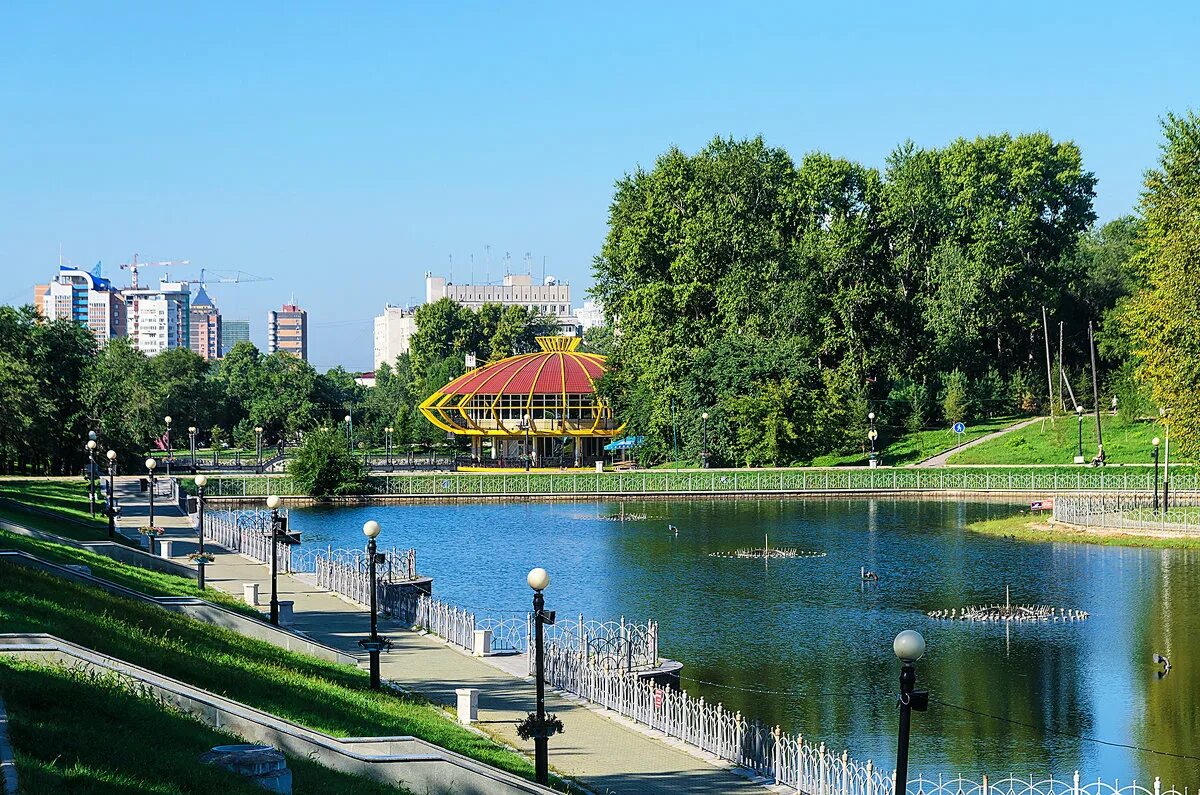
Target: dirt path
{"type": "Point", "coordinates": [940, 459]}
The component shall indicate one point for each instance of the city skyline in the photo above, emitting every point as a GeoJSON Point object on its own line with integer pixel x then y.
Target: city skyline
{"type": "Point", "coordinates": [448, 131]}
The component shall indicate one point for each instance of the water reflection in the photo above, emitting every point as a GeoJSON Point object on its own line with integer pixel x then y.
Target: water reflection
{"type": "Point", "coordinates": [802, 643]}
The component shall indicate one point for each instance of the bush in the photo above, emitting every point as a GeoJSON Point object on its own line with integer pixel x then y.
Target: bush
{"type": "Point", "coordinates": [324, 467]}
{"type": "Point", "coordinates": [954, 397]}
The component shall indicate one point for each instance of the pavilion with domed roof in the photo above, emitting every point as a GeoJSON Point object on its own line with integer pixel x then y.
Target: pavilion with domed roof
{"type": "Point", "coordinates": [538, 407]}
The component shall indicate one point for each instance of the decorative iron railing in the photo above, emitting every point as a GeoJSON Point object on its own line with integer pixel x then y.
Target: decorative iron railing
{"type": "Point", "coordinates": [347, 571]}
{"type": "Point", "coordinates": [1010, 785]}
{"type": "Point", "coordinates": [1130, 511]}
{"type": "Point", "coordinates": [1031, 480]}
{"type": "Point", "coordinates": [247, 533]}
{"type": "Point", "coordinates": [605, 645]}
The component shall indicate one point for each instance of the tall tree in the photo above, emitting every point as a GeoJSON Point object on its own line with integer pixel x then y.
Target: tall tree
{"type": "Point", "coordinates": [1162, 318]}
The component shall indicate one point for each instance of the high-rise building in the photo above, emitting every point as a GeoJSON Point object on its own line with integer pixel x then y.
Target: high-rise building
{"type": "Point", "coordinates": [287, 330]}
{"type": "Point", "coordinates": [393, 330]}
{"type": "Point", "coordinates": [590, 315]}
{"type": "Point", "coordinates": [160, 318]}
{"type": "Point", "coordinates": [205, 326]}
{"type": "Point", "coordinates": [86, 298]}
{"type": "Point", "coordinates": [552, 298]}
{"type": "Point", "coordinates": [233, 332]}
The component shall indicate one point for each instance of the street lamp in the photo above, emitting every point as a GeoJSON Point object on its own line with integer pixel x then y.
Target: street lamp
{"type": "Point", "coordinates": [527, 425]}
{"type": "Point", "coordinates": [350, 433]}
{"type": "Point", "coordinates": [1154, 458]}
{"type": "Point", "coordinates": [258, 447]}
{"type": "Point", "coordinates": [192, 445]}
{"type": "Point", "coordinates": [167, 420]}
{"type": "Point", "coordinates": [387, 443]}
{"type": "Point", "coordinates": [704, 446]}
{"type": "Point", "coordinates": [273, 504]}
{"type": "Point", "coordinates": [150, 465]}
{"type": "Point", "coordinates": [909, 646]}
{"type": "Point", "coordinates": [91, 450]}
{"type": "Point", "coordinates": [538, 580]}
{"type": "Point", "coordinates": [872, 434]}
{"type": "Point", "coordinates": [112, 497]}
{"type": "Point", "coordinates": [201, 482]}
{"type": "Point", "coordinates": [1162, 413]}
{"type": "Point", "coordinates": [373, 644]}
{"type": "Point", "coordinates": [1079, 455]}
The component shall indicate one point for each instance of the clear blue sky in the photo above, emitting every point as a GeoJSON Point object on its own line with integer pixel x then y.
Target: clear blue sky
{"type": "Point", "coordinates": [345, 149]}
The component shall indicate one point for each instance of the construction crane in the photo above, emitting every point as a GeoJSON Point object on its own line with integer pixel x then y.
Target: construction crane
{"type": "Point", "coordinates": [134, 265]}
{"type": "Point", "coordinates": [240, 278]}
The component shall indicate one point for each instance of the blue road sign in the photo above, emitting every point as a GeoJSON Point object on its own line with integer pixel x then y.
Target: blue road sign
{"type": "Point", "coordinates": [959, 427]}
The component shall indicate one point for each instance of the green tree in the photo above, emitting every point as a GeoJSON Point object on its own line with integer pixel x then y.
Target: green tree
{"type": "Point", "coordinates": [954, 397]}
{"type": "Point", "coordinates": [1162, 318]}
{"type": "Point", "coordinates": [322, 466]}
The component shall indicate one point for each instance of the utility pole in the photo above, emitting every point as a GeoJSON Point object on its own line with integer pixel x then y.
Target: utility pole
{"type": "Point", "coordinates": [1049, 378]}
{"type": "Point", "coordinates": [1062, 400]}
{"type": "Point", "coordinates": [1096, 395]}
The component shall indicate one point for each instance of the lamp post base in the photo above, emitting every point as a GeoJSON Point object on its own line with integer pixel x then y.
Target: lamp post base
{"type": "Point", "coordinates": [374, 646]}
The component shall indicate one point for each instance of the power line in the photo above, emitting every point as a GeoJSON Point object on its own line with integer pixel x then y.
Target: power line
{"type": "Point", "coordinates": [1046, 730]}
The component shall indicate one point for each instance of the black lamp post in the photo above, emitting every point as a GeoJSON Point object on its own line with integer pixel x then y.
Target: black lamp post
{"type": "Point", "coordinates": [201, 482]}
{"type": "Point", "coordinates": [150, 465]}
{"type": "Point", "coordinates": [704, 435]}
{"type": "Point", "coordinates": [872, 435]}
{"type": "Point", "coordinates": [167, 420]}
{"type": "Point", "coordinates": [1166, 501]}
{"type": "Point", "coordinates": [1154, 458]}
{"type": "Point", "coordinates": [538, 580]}
{"type": "Point", "coordinates": [192, 446]}
{"type": "Point", "coordinates": [350, 433]}
{"type": "Point", "coordinates": [91, 451]}
{"type": "Point", "coordinates": [273, 504]}
{"type": "Point", "coordinates": [373, 644]}
{"type": "Point", "coordinates": [527, 424]}
{"type": "Point", "coordinates": [258, 448]}
{"type": "Point", "coordinates": [387, 444]}
{"type": "Point", "coordinates": [112, 497]}
{"type": "Point", "coordinates": [909, 646]}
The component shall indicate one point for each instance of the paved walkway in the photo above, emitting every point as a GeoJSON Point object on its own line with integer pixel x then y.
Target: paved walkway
{"type": "Point", "coordinates": [606, 753]}
{"type": "Point", "coordinates": [940, 459]}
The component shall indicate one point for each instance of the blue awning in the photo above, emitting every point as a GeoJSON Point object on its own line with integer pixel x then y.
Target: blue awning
{"type": "Point", "coordinates": [628, 443]}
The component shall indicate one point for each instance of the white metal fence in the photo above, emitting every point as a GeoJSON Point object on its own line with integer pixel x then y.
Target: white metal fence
{"type": "Point", "coordinates": [347, 571]}
{"type": "Point", "coordinates": [1010, 785]}
{"type": "Point", "coordinates": [248, 533]}
{"type": "Point", "coordinates": [1133, 511]}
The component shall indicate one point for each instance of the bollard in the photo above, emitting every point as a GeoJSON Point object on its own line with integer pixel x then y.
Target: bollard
{"type": "Point", "coordinates": [164, 547]}
{"type": "Point", "coordinates": [483, 643]}
{"type": "Point", "coordinates": [250, 593]}
{"type": "Point", "coordinates": [468, 704]}
{"type": "Point", "coordinates": [600, 466]}
{"type": "Point", "coordinates": [285, 612]}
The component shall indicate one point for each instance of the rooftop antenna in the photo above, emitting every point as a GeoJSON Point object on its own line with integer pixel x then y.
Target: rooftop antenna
{"type": "Point", "coordinates": [472, 269]}
{"type": "Point", "coordinates": [507, 260]}
{"type": "Point", "coordinates": [528, 263]}
{"type": "Point", "coordinates": [487, 267]}
{"type": "Point", "coordinates": [451, 257]}
{"type": "Point", "coordinates": [543, 269]}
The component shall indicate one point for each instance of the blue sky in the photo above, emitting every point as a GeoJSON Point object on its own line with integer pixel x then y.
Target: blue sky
{"type": "Point", "coordinates": [345, 149]}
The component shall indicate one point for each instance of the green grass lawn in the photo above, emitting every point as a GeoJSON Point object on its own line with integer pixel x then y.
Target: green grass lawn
{"type": "Point", "coordinates": [129, 742]}
{"type": "Point", "coordinates": [1057, 442]}
{"type": "Point", "coordinates": [325, 696]}
{"type": "Point", "coordinates": [1034, 526]}
{"type": "Point", "coordinates": [67, 497]}
{"type": "Point", "coordinates": [911, 448]}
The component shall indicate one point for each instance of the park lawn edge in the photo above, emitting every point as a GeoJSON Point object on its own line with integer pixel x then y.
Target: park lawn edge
{"type": "Point", "coordinates": [1025, 526]}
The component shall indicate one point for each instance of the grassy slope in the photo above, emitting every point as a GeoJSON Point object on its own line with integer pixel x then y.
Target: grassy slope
{"type": "Point", "coordinates": [1026, 526]}
{"type": "Point", "coordinates": [66, 497]}
{"type": "Point", "coordinates": [325, 696]}
{"type": "Point", "coordinates": [910, 448]}
{"type": "Point", "coordinates": [1057, 443]}
{"type": "Point", "coordinates": [129, 743]}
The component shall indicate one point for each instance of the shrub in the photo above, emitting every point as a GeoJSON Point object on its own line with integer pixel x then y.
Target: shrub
{"type": "Point", "coordinates": [324, 467]}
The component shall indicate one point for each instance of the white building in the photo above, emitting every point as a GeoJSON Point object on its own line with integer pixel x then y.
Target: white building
{"type": "Point", "coordinates": [160, 318]}
{"type": "Point", "coordinates": [84, 297]}
{"type": "Point", "coordinates": [518, 289]}
{"type": "Point", "coordinates": [590, 315]}
{"type": "Point", "coordinates": [393, 331]}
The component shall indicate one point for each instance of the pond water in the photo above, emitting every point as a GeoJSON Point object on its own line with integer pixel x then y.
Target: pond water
{"type": "Point", "coordinates": [802, 643]}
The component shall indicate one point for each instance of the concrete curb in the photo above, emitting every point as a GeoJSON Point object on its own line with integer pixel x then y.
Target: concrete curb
{"type": "Point", "coordinates": [414, 763]}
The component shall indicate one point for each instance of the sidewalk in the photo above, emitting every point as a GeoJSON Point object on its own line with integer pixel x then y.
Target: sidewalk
{"type": "Point", "coordinates": [606, 754]}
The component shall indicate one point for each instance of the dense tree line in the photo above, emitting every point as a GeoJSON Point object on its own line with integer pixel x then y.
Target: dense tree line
{"type": "Point", "coordinates": [787, 301]}
{"type": "Point", "coordinates": [59, 385]}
